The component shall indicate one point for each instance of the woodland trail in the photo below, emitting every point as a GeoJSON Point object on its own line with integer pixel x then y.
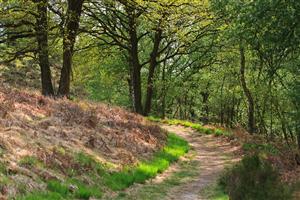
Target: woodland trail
{"type": "Point", "coordinates": [190, 177]}
{"type": "Point", "coordinates": [212, 154]}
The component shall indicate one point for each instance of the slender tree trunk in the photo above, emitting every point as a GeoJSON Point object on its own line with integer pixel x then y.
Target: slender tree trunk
{"type": "Point", "coordinates": [152, 67]}
{"type": "Point", "coordinates": [163, 100]}
{"type": "Point", "coordinates": [205, 108]}
{"type": "Point", "coordinates": [222, 104]}
{"type": "Point", "coordinates": [251, 121]}
{"type": "Point", "coordinates": [69, 38]}
{"type": "Point", "coordinates": [43, 49]}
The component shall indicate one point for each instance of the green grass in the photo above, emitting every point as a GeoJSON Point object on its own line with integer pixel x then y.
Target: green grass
{"type": "Point", "coordinates": [187, 169]}
{"type": "Point", "coordinates": [102, 178]}
{"type": "Point", "coordinates": [161, 160]}
{"type": "Point", "coordinates": [58, 187]}
{"type": "Point", "coordinates": [42, 196]}
{"type": "Point", "coordinates": [215, 192]}
{"type": "Point", "coordinates": [196, 126]}
{"type": "Point", "coordinates": [85, 191]}
{"type": "Point", "coordinates": [29, 161]}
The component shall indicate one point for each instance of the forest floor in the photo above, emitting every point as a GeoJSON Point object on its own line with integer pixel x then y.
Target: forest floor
{"type": "Point", "coordinates": [192, 176]}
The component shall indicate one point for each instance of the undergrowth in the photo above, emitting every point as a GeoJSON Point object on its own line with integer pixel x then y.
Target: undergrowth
{"type": "Point", "coordinates": [196, 126]}
{"type": "Point", "coordinates": [254, 178]}
{"type": "Point", "coordinates": [260, 148]}
{"type": "Point", "coordinates": [100, 177]}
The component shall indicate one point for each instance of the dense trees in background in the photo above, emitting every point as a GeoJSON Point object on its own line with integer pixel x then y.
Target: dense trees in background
{"type": "Point", "coordinates": [218, 61]}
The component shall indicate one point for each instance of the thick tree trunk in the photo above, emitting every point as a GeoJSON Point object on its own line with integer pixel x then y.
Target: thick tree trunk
{"type": "Point", "coordinates": [136, 88]}
{"type": "Point", "coordinates": [135, 63]}
{"type": "Point", "coordinates": [251, 121]}
{"type": "Point", "coordinates": [152, 67]}
{"type": "Point", "coordinates": [70, 33]}
{"type": "Point", "coordinates": [43, 50]}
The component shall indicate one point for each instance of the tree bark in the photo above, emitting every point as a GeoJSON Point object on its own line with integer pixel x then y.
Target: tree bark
{"type": "Point", "coordinates": [135, 64]}
{"type": "Point", "coordinates": [43, 49]}
{"type": "Point", "coordinates": [251, 120]}
{"type": "Point", "coordinates": [152, 67]}
{"type": "Point", "coordinates": [205, 109]}
{"type": "Point", "coordinates": [70, 33]}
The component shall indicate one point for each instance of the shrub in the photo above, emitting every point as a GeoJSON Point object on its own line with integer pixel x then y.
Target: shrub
{"type": "Point", "coordinates": [254, 178]}
{"type": "Point", "coordinates": [265, 148]}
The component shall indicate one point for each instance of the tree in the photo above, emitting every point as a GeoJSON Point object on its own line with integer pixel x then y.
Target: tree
{"type": "Point", "coordinates": [43, 49]}
{"type": "Point", "coordinates": [146, 30]}
{"type": "Point", "coordinates": [251, 120]}
{"type": "Point", "coordinates": [69, 37]}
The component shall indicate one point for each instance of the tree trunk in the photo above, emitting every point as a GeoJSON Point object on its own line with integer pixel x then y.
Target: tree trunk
{"type": "Point", "coordinates": [70, 33]}
{"type": "Point", "coordinates": [251, 122]}
{"type": "Point", "coordinates": [135, 63]}
{"type": "Point", "coordinates": [152, 67]}
{"type": "Point", "coordinates": [43, 50]}
{"type": "Point", "coordinates": [205, 108]}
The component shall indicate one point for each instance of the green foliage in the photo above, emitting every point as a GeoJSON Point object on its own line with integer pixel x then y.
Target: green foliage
{"type": "Point", "coordinates": [260, 148]}
{"type": "Point", "coordinates": [254, 178]}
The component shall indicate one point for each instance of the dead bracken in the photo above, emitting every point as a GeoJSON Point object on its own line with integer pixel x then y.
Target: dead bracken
{"type": "Point", "coordinates": [41, 131]}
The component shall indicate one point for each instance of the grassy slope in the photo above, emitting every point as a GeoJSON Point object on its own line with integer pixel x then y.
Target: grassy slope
{"type": "Point", "coordinates": [116, 181]}
{"type": "Point", "coordinates": [61, 149]}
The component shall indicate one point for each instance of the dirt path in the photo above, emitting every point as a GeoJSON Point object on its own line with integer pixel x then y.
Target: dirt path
{"type": "Point", "coordinates": [212, 154]}
{"type": "Point", "coordinates": [187, 179]}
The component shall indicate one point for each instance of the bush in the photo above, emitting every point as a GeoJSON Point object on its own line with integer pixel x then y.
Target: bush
{"type": "Point", "coordinates": [254, 179]}
{"type": "Point", "coordinates": [265, 148]}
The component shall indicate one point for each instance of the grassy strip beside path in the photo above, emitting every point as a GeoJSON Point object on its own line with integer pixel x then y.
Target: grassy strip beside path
{"type": "Point", "coordinates": [195, 126]}
{"type": "Point", "coordinates": [73, 188]}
